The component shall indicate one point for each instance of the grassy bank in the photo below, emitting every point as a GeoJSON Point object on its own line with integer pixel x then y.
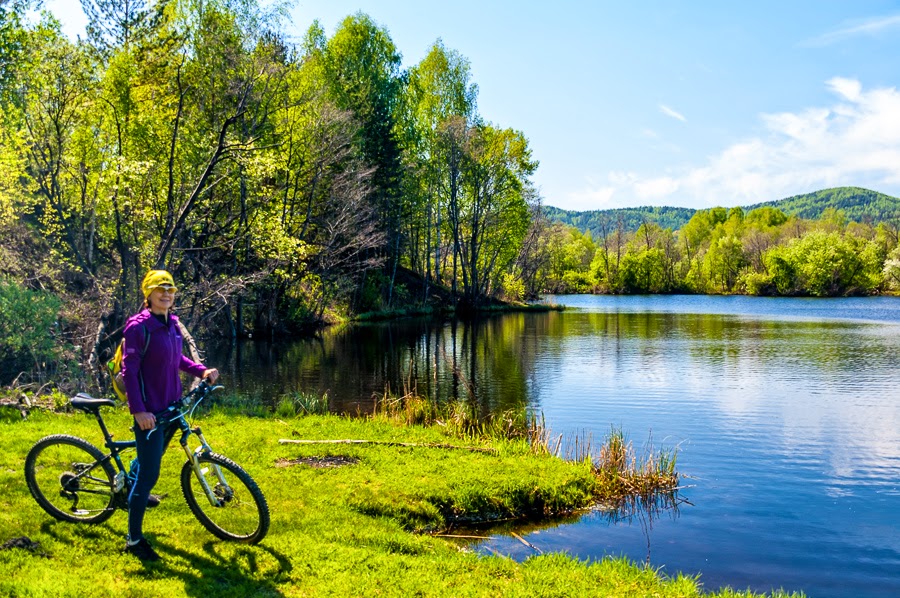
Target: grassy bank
{"type": "Point", "coordinates": [336, 531]}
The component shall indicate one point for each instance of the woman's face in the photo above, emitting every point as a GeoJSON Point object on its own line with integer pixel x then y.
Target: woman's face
{"type": "Point", "coordinates": [161, 299]}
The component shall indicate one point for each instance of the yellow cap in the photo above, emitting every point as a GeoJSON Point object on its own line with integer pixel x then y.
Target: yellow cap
{"type": "Point", "coordinates": [155, 279]}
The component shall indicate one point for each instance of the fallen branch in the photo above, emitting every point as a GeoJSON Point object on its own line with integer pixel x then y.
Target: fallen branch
{"type": "Point", "coordinates": [475, 449]}
{"type": "Point", "coordinates": [526, 543]}
{"type": "Point", "coordinates": [23, 404]}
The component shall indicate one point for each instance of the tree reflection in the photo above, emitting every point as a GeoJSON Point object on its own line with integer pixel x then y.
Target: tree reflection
{"type": "Point", "coordinates": [644, 510]}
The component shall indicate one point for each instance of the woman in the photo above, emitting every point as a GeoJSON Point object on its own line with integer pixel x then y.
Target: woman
{"type": "Point", "coordinates": [150, 368]}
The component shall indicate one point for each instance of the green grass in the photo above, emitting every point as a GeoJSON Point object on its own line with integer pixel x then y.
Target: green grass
{"type": "Point", "coordinates": [619, 473]}
{"type": "Point", "coordinates": [345, 531]}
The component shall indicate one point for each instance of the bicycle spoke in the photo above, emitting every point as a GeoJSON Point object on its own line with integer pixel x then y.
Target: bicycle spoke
{"type": "Point", "coordinates": [237, 509]}
{"type": "Point", "coordinates": [66, 483]}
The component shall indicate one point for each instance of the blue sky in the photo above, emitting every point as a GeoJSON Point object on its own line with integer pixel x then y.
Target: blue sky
{"type": "Point", "coordinates": [691, 103]}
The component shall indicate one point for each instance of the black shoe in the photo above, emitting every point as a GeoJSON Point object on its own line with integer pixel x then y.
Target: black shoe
{"type": "Point", "coordinates": [143, 550]}
{"type": "Point", "coordinates": [153, 501]}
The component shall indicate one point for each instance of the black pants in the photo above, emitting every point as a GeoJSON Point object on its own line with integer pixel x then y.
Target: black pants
{"type": "Point", "coordinates": [149, 458]}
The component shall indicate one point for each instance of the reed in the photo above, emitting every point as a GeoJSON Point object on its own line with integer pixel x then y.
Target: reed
{"type": "Point", "coordinates": [619, 470]}
{"type": "Point", "coordinates": [302, 403]}
{"type": "Point", "coordinates": [461, 418]}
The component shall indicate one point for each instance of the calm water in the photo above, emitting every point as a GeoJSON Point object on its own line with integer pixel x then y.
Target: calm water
{"type": "Point", "coordinates": [785, 412]}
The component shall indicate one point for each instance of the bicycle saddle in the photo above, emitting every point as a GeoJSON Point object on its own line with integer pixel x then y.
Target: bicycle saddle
{"type": "Point", "coordinates": [89, 404]}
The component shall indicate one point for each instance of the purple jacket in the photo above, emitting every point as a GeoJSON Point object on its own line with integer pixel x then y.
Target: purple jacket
{"type": "Point", "coordinates": [153, 383]}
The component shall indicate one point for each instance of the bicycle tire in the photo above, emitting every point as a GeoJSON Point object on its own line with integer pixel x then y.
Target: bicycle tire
{"type": "Point", "coordinates": [242, 514]}
{"type": "Point", "coordinates": [53, 471]}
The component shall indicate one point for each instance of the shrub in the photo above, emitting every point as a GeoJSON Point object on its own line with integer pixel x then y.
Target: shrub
{"type": "Point", "coordinates": [29, 331]}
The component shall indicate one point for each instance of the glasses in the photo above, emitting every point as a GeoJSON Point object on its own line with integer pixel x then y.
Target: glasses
{"type": "Point", "coordinates": [169, 290]}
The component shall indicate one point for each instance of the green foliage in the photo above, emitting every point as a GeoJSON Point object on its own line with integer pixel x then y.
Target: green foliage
{"type": "Point", "coordinates": [760, 252]}
{"type": "Point", "coordinates": [644, 271]}
{"type": "Point", "coordinates": [825, 264]}
{"type": "Point", "coordinates": [891, 270]}
{"type": "Point", "coordinates": [766, 216]}
{"type": "Point", "coordinates": [569, 258]}
{"type": "Point", "coordinates": [29, 331]}
{"type": "Point", "coordinates": [513, 287]}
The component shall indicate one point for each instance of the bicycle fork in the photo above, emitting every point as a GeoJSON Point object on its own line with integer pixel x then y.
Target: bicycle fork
{"type": "Point", "coordinates": [200, 471]}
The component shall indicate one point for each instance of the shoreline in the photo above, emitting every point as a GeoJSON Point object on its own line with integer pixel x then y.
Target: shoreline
{"type": "Point", "coordinates": [345, 530]}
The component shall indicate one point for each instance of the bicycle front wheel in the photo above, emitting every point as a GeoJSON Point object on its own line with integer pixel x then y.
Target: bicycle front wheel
{"type": "Point", "coordinates": [68, 480]}
{"type": "Point", "coordinates": [236, 510]}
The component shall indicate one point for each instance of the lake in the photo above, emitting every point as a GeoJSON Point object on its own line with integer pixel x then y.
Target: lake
{"type": "Point", "coordinates": [785, 414]}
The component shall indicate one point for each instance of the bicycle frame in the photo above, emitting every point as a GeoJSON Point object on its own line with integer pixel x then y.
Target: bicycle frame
{"type": "Point", "coordinates": [174, 415]}
{"type": "Point", "coordinates": [122, 480]}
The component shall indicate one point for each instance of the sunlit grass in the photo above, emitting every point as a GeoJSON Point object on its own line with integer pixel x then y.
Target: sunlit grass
{"type": "Point", "coordinates": [619, 471]}
{"type": "Point", "coordinates": [342, 531]}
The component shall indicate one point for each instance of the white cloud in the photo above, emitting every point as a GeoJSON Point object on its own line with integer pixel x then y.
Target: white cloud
{"type": "Point", "coordinates": [653, 189]}
{"type": "Point", "coordinates": [592, 197]}
{"type": "Point", "coordinates": [670, 112]}
{"type": "Point", "coordinates": [848, 88]}
{"type": "Point", "coordinates": [855, 141]}
{"type": "Point", "coordinates": [868, 27]}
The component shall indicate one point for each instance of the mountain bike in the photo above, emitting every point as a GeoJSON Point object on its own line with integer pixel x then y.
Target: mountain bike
{"type": "Point", "coordinates": [73, 480]}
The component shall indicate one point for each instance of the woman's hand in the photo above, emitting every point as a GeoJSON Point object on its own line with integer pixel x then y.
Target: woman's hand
{"type": "Point", "coordinates": [211, 375]}
{"type": "Point", "coordinates": [145, 420]}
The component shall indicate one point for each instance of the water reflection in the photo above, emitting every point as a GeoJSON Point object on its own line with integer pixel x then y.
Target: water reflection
{"type": "Point", "coordinates": [445, 361]}
{"type": "Point", "coordinates": [520, 540]}
{"type": "Point", "coordinates": [788, 421]}
{"type": "Point", "coordinates": [746, 368]}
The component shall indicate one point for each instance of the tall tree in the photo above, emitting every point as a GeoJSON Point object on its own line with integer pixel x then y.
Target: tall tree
{"type": "Point", "coordinates": [362, 67]}
{"type": "Point", "coordinates": [117, 24]}
{"type": "Point", "coordinates": [55, 102]}
{"type": "Point", "coordinates": [439, 89]}
{"type": "Point", "coordinates": [493, 214]}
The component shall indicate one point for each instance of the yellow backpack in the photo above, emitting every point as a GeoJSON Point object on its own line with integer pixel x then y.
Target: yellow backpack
{"type": "Point", "coordinates": [115, 364]}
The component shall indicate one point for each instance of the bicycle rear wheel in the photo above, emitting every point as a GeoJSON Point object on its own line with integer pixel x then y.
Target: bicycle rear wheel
{"type": "Point", "coordinates": [240, 512]}
{"type": "Point", "coordinates": [66, 479]}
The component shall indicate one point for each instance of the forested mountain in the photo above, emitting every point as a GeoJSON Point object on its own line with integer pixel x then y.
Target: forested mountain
{"type": "Point", "coordinates": [600, 222]}
{"type": "Point", "coordinates": [858, 205]}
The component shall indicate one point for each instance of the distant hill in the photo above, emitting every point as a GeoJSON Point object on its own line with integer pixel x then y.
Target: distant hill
{"type": "Point", "coordinates": [598, 220]}
{"type": "Point", "coordinates": [858, 204]}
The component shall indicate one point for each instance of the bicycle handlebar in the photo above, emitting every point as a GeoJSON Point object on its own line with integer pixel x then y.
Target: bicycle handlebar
{"type": "Point", "coordinates": [177, 409]}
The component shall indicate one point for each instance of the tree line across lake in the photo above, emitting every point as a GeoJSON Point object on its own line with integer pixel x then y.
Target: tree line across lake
{"type": "Point", "coordinates": [768, 249]}
{"type": "Point", "coordinates": [287, 185]}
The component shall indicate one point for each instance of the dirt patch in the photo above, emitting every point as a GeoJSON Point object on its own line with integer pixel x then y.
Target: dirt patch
{"type": "Point", "coordinates": [318, 462]}
{"type": "Point", "coordinates": [25, 543]}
